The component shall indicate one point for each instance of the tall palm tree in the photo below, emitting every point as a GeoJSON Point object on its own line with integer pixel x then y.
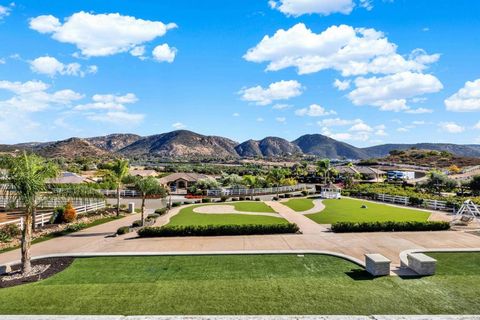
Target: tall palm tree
{"type": "Point", "coordinates": [147, 187]}
{"type": "Point", "coordinates": [275, 176]}
{"type": "Point", "coordinates": [117, 173]}
{"type": "Point", "coordinates": [28, 175]}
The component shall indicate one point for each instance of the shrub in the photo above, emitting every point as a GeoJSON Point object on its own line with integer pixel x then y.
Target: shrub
{"type": "Point", "coordinates": [4, 237]}
{"type": "Point", "coordinates": [257, 199]}
{"type": "Point", "coordinates": [69, 213]}
{"type": "Point", "coordinates": [206, 200]}
{"type": "Point", "coordinates": [217, 230]}
{"type": "Point", "coordinates": [123, 230]}
{"type": "Point", "coordinates": [57, 215]}
{"type": "Point", "coordinates": [281, 196]}
{"type": "Point", "coordinates": [390, 226]}
{"type": "Point", "coordinates": [12, 230]}
{"type": "Point", "coordinates": [123, 206]}
{"type": "Point", "coordinates": [76, 227]}
{"type": "Point", "coordinates": [137, 223]}
{"type": "Point", "coordinates": [176, 204]}
{"type": "Point", "coordinates": [223, 198]}
{"type": "Point", "coordinates": [275, 198]}
{"type": "Point", "coordinates": [287, 195]}
{"type": "Point", "coordinates": [304, 193]}
{"type": "Point", "coordinates": [234, 199]}
{"type": "Point", "coordinates": [241, 198]}
{"type": "Point", "coordinates": [153, 216]}
{"type": "Point", "coordinates": [414, 201]}
{"type": "Point", "coordinates": [161, 211]}
{"type": "Point", "coordinates": [248, 198]}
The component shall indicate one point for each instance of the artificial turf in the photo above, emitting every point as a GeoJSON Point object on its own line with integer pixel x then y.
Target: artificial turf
{"type": "Point", "coordinates": [299, 205]}
{"type": "Point", "coordinates": [350, 210]}
{"type": "Point", "coordinates": [246, 284]}
{"type": "Point", "coordinates": [187, 217]}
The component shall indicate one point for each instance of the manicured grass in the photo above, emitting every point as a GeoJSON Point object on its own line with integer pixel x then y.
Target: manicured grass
{"type": "Point", "coordinates": [299, 205]}
{"type": "Point", "coordinates": [251, 206]}
{"type": "Point", "coordinates": [269, 284]}
{"type": "Point", "coordinates": [186, 216]}
{"type": "Point", "coordinates": [349, 210]}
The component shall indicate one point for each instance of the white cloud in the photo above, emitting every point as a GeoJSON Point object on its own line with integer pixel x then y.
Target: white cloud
{"type": "Point", "coordinates": [101, 34]}
{"type": "Point", "coordinates": [352, 51]}
{"type": "Point", "coordinates": [108, 102]}
{"type": "Point", "coordinates": [361, 127]}
{"type": "Point", "coordinates": [259, 119]}
{"type": "Point", "coordinates": [314, 110]}
{"type": "Point", "coordinates": [477, 125]}
{"type": "Point", "coordinates": [138, 51]}
{"type": "Point", "coordinates": [366, 4]}
{"type": "Point", "coordinates": [389, 93]}
{"type": "Point", "coordinates": [50, 66]}
{"type": "Point", "coordinates": [236, 114]}
{"type": "Point", "coordinates": [164, 53]}
{"type": "Point", "coordinates": [419, 111]}
{"type": "Point", "coordinates": [281, 119]}
{"type": "Point", "coordinates": [337, 122]}
{"type": "Point", "coordinates": [178, 125]}
{"type": "Point", "coordinates": [281, 90]}
{"type": "Point", "coordinates": [6, 10]}
{"type": "Point", "coordinates": [322, 7]}
{"type": "Point", "coordinates": [341, 85]}
{"type": "Point", "coordinates": [118, 117]}
{"type": "Point", "coordinates": [451, 127]}
{"type": "Point", "coordinates": [32, 96]}
{"type": "Point", "coordinates": [418, 122]}
{"type": "Point", "coordinates": [402, 129]}
{"type": "Point", "coordinates": [467, 99]}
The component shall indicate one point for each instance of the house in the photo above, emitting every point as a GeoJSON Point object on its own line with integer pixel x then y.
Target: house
{"type": "Point", "coordinates": [179, 182]}
{"type": "Point", "coordinates": [68, 178]}
{"type": "Point", "coordinates": [367, 173]}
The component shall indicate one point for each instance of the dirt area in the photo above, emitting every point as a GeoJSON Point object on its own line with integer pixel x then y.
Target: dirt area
{"type": "Point", "coordinates": [47, 267]}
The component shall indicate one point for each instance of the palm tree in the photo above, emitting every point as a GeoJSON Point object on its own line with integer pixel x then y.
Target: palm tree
{"type": "Point", "coordinates": [323, 167]}
{"type": "Point", "coordinates": [28, 175]}
{"type": "Point", "coordinates": [117, 172]}
{"type": "Point", "coordinates": [148, 186]}
{"type": "Point", "coordinates": [275, 176]}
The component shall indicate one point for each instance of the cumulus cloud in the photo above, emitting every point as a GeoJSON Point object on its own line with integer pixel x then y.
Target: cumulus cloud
{"type": "Point", "coordinates": [467, 99]}
{"type": "Point", "coordinates": [164, 53]}
{"type": "Point", "coordinates": [6, 10]}
{"type": "Point", "coordinates": [341, 85]}
{"type": "Point", "coordinates": [108, 102]}
{"type": "Point", "coordinates": [314, 110]}
{"type": "Point", "coordinates": [281, 106]}
{"type": "Point", "coordinates": [101, 34]}
{"type": "Point", "coordinates": [322, 7]}
{"type": "Point", "coordinates": [118, 117]}
{"type": "Point", "coordinates": [352, 51]}
{"type": "Point", "coordinates": [281, 120]}
{"type": "Point", "coordinates": [178, 125]}
{"type": "Point", "coordinates": [281, 90]}
{"type": "Point", "coordinates": [50, 66]}
{"type": "Point", "coordinates": [32, 96]}
{"type": "Point", "coordinates": [390, 93]}
{"type": "Point", "coordinates": [353, 129]}
{"type": "Point", "coordinates": [451, 127]}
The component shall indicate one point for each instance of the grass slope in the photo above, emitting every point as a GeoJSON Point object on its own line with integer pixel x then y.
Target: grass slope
{"type": "Point", "coordinates": [268, 284]}
{"type": "Point", "coordinates": [299, 205]}
{"type": "Point", "coordinates": [349, 210]}
{"type": "Point", "coordinates": [186, 216]}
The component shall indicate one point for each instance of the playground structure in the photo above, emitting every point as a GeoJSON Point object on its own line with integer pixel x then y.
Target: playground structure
{"type": "Point", "coordinates": [468, 212]}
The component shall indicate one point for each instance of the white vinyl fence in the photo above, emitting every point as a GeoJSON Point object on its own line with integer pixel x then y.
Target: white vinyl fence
{"type": "Point", "coordinates": [123, 193]}
{"type": "Point", "coordinates": [252, 192]}
{"type": "Point", "coordinates": [427, 203]}
{"type": "Point", "coordinates": [43, 218]}
{"type": "Point", "coordinates": [6, 202]}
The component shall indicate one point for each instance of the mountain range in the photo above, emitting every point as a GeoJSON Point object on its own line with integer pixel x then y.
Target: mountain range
{"type": "Point", "coordinates": [188, 144]}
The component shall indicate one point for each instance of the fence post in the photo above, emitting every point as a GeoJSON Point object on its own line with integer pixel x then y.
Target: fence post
{"type": "Point", "coordinates": [22, 225]}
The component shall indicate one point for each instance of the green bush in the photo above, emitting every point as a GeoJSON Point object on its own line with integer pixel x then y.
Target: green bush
{"type": "Point", "coordinates": [223, 198]}
{"type": "Point", "coordinates": [123, 230]}
{"type": "Point", "coordinates": [275, 198]}
{"type": "Point", "coordinates": [217, 230]}
{"type": "Point", "coordinates": [176, 204]}
{"type": "Point", "coordinates": [288, 195]}
{"type": "Point", "coordinates": [387, 226]}
{"type": "Point", "coordinates": [414, 201]}
{"type": "Point", "coordinates": [123, 206]}
{"type": "Point", "coordinates": [57, 215]}
{"type": "Point", "coordinates": [234, 199]}
{"type": "Point", "coordinates": [161, 211]}
{"type": "Point", "coordinates": [153, 216]}
{"type": "Point", "coordinates": [4, 237]}
{"type": "Point", "coordinates": [11, 230]}
{"type": "Point", "coordinates": [304, 193]}
{"type": "Point", "coordinates": [241, 198]}
{"type": "Point", "coordinates": [74, 227]}
{"type": "Point", "coordinates": [137, 223]}
{"type": "Point", "coordinates": [257, 199]}
{"type": "Point", "coordinates": [206, 200]}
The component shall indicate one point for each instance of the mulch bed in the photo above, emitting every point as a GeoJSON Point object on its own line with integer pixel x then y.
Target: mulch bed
{"type": "Point", "coordinates": [56, 265]}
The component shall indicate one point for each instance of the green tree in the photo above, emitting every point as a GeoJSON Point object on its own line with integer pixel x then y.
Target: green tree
{"type": "Point", "coordinates": [474, 185]}
{"type": "Point", "coordinates": [148, 186]}
{"type": "Point", "coordinates": [323, 168]}
{"type": "Point", "coordinates": [28, 175]}
{"type": "Point", "coordinates": [116, 173]}
{"type": "Point", "coordinates": [275, 177]}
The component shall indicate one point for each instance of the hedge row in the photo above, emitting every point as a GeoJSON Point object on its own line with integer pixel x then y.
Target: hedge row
{"type": "Point", "coordinates": [217, 230]}
{"type": "Point", "coordinates": [390, 226]}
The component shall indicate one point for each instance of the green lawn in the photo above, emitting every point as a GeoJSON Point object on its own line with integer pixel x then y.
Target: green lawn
{"type": "Point", "coordinates": [271, 284]}
{"type": "Point", "coordinates": [299, 205]}
{"type": "Point", "coordinates": [349, 210]}
{"type": "Point", "coordinates": [187, 217]}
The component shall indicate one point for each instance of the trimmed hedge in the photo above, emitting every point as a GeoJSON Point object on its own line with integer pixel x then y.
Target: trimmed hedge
{"type": "Point", "coordinates": [387, 226]}
{"type": "Point", "coordinates": [123, 230]}
{"type": "Point", "coordinates": [217, 230]}
{"type": "Point", "coordinates": [161, 211]}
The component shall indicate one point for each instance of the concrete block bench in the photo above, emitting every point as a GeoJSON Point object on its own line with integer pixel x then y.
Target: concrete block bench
{"type": "Point", "coordinates": [421, 264]}
{"type": "Point", "coordinates": [377, 265]}
{"type": "Point", "coordinates": [5, 269]}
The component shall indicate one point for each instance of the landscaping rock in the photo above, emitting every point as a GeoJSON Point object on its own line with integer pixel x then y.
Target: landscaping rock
{"type": "Point", "coordinates": [377, 265]}
{"type": "Point", "coordinates": [5, 269]}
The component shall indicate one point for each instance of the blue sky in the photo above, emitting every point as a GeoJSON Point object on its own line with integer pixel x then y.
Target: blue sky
{"type": "Point", "coordinates": [406, 71]}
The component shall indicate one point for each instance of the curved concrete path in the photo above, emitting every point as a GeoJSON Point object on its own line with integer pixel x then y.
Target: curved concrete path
{"type": "Point", "coordinates": [226, 208]}
{"type": "Point", "coordinates": [306, 225]}
{"type": "Point", "coordinates": [318, 206]}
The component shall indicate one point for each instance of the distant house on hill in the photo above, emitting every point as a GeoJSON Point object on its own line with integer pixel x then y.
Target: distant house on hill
{"type": "Point", "coordinates": [68, 178]}
{"type": "Point", "coordinates": [179, 182]}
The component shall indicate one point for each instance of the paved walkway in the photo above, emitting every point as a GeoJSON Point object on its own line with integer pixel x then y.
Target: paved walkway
{"type": "Point", "coordinates": [315, 237]}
